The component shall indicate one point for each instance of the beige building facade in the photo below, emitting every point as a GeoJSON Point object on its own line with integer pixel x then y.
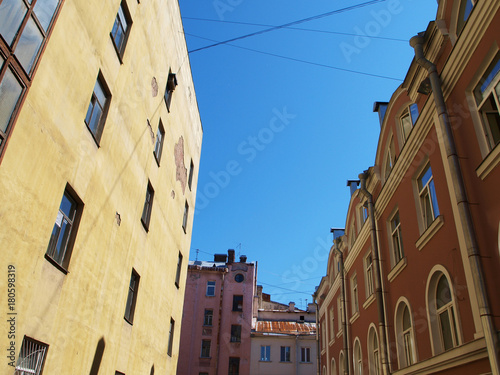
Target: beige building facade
{"type": "Point", "coordinates": [100, 141]}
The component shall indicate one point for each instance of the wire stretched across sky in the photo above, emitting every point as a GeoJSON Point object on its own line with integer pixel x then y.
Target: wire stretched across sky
{"type": "Point", "coordinates": [327, 14]}
{"type": "Point", "coordinates": [303, 61]}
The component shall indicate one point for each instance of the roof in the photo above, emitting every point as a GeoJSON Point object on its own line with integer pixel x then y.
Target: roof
{"type": "Point", "coordinates": [285, 328]}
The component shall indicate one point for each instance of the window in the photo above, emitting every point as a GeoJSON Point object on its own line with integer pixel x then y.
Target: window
{"type": "Point", "coordinates": [341, 363]}
{"type": "Point", "coordinates": [397, 242]}
{"type": "Point", "coordinates": [205, 348]}
{"type": "Point", "coordinates": [191, 171]}
{"type": "Point", "coordinates": [179, 269]}
{"type": "Point", "coordinates": [358, 359]}
{"type": "Point", "coordinates": [390, 159]}
{"type": "Point", "coordinates": [285, 354]}
{"type": "Point", "coordinates": [185, 218]}
{"type": "Point", "coordinates": [305, 355]}
{"type": "Point", "coordinates": [428, 200]}
{"type": "Point", "coordinates": [64, 231]}
{"type": "Point", "coordinates": [407, 120]}
{"type": "Point", "coordinates": [487, 96]}
{"type": "Point", "coordinates": [210, 288]}
{"type": "Point", "coordinates": [235, 333]}
{"type": "Point", "coordinates": [239, 278]}
{"type": "Point", "coordinates": [148, 206]}
{"type": "Point", "coordinates": [369, 275]}
{"type": "Point", "coordinates": [373, 352]}
{"type": "Point", "coordinates": [332, 325]}
{"type": "Point", "coordinates": [121, 29]}
{"type": "Point", "coordinates": [237, 303]}
{"type": "Point", "coordinates": [32, 356]}
{"type": "Point", "coordinates": [333, 367]}
{"type": "Point", "coordinates": [160, 135]}
{"type": "Point", "coordinates": [209, 315]}
{"type": "Point", "coordinates": [323, 332]}
{"type": "Point", "coordinates": [132, 296]}
{"type": "Point", "coordinates": [354, 294]}
{"type": "Point", "coordinates": [171, 337]}
{"type": "Point", "coordinates": [404, 336]}
{"type": "Point", "coordinates": [171, 84]}
{"type": "Point", "coordinates": [442, 312]}
{"type": "Point", "coordinates": [464, 13]}
{"type": "Point", "coordinates": [265, 353]}
{"type": "Point", "coordinates": [24, 28]}
{"type": "Point", "coordinates": [352, 237]}
{"type": "Point", "coordinates": [363, 215]}
{"type": "Point", "coordinates": [98, 107]}
{"type": "Point", "coordinates": [234, 366]}
{"type": "Point", "coordinates": [340, 312]}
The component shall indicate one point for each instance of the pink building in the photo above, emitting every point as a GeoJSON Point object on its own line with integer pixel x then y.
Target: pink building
{"type": "Point", "coordinates": [217, 318]}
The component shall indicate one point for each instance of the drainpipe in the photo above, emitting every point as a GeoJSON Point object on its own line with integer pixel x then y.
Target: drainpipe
{"type": "Point", "coordinates": [463, 206]}
{"type": "Point", "coordinates": [344, 312]}
{"type": "Point", "coordinates": [377, 278]}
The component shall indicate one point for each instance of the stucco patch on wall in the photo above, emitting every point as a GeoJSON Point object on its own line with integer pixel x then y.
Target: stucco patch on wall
{"type": "Point", "coordinates": [180, 168]}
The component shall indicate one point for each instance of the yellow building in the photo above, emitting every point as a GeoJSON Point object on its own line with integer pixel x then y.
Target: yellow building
{"type": "Point", "coordinates": [100, 141]}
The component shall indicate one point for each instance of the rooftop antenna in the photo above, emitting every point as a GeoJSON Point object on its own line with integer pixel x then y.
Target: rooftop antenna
{"type": "Point", "coordinates": [239, 249]}
{"type": "Point", "coordinates": [197, 251]}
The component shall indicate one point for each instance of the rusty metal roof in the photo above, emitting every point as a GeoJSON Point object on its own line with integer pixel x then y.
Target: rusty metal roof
{"type": "Point", "coordinates": [286, 328]}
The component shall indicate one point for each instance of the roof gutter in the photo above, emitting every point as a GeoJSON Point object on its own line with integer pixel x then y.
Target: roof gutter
{"type": "Point", "coordinates": [377, 278]}
{"type": "Point", "coordinates": [462, 203]}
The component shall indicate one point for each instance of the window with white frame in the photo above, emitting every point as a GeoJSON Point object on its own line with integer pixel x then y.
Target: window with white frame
{"type": "Point", "coordinates": [332, 325]}
{"type": "Point", "coordinates": [333, 367]}
{"type": "Point", "coordinates": [354, 294]}
{"type": "Point", "coordinates": [323, 333]}
{"type": "Point", "coordinates": [373, 352]}
{"type": "Point", "coordinates": [358, 359]}
{"type": "Point", "coordinates": [407, 120]}
{"type": "Point", "coordinates": [32, 357]}
{"type": "Point", "coordinates": [340, 311]}
{"type": "Point", "coordinates": [396, 239]}
{"type": "Point", "coordinates": [390, 159]}
{"type": "Point", "coordinates": [210, 288]}
{"type": "Point", "coordinates": [208, 317]}
{"type": "Point", "coordinates": [369, 275]}
{"type": "Point", "coordinates": [487, 97]}
{"type": "Point", "coordinates": [352, 236]}
{"type": "Point", "coordinates": [160, 135]}
{"type": "Point", "coordinates": [265, 353]}
{"type": "Point", "coordinates": [341, 363]}
{"type": "Point", "coordinates": [464, 13]}
{"type": "Point", "coordinates": [442, 312]}
{"type": "Point", "coordinates": [427, 197]}
{"type": "Point", "coordinates": [404, 334]}
{"type": "Point", "coordinates": [363, 214]}
{"type": "Point", "coordinates": [305, 355]}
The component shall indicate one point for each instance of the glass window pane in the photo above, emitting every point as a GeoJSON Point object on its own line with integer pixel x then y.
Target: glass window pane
{"type": "Point", "coordinates": [425, 177]}
{"type": "Point", "coordinates": [444, 318]}
{"type": "Point", "coordinates": [44, 11]}
{"type": "Point", "coordinates": [11, 16]}
{"type": "Point", "coordinates": [29, 44]}
{"type": "Point", "coordinates": [406, 319]}
{"type": "Point", "coordinates": [68, 206]}
{"type": "Point", "coordinates": [10, 92]}
{"type": "Point", "coordinates": [443, 294]}
{"type": "Point", "coordinates": [62, 241]}
{"type": "Point", "coordinates": [406, 125]}
{"type": "Point", "coordinates": [123, 20]}
{"type": "Point", "coordinates": [414, 113]}
{"type": "Point", "coordinates": [99, 93]}
{"type": "Point", "coordinates": [94, 121]}
{"type": "Point", "coordinates": [435, 207]}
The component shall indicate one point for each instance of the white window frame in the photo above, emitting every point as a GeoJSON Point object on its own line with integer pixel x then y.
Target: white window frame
{"type": "Point", "coordinates": [427, 193]}
{"type": "Point", "coordinates": [332, 325]}
{"type": "Point", "coordinates": [395, 238]}
{"type": "Point", "coordinates": [31, 357]}
{"type": "Point", "coordinates": [405, 339]}
{"type": "Point", "coordinates": [354, 294]}
{"type": "Point", "coordinates": [373, 351]}
{"type": "Point", "coordinates": [357, 358]}
{"type": "Point", "coordinates": [368, 265]}
{"type": "Point", "coordinates": [407, 113]}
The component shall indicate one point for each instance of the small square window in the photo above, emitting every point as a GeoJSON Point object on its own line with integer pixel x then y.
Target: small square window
{"type": "Point", "coordinates": [210, 288]}
{"type": "Point", "coordinates": [98, 108]}
{"type": "Point", "coordinates": [171, 84]}
{"type": "Point", "coordinates": [160, 135]}
{"type": "Point", "coordinates": [148, 206]}
{"type": "Point", "coordinates": [64, 230]}
{"type": "Point", "coordinates": [32, 357]}
{"type": "Point", "coordinates": [121, 29]}
{"type": "Point", "coordinates": [237, 303]}
{"type": "Point", "coordinates": [235, 333]}
{"type": "Point", "coordinates": [171, 337]}
{"type": "Point", "coordinates": [132, 297]}
{"type": "Point", "coordinates": [179, 269]}
{"type": "Point", "coordinates": [185, 218]}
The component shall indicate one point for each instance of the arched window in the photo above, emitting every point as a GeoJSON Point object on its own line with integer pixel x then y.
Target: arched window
{"type": "Point", "coordinates": [373, 352]}
{"type": "Point", "coordinates": [324, 370]}
{"type": "Point", "coordinates": [333, 367]}
{"type": "Point", "coordinates": [442, 313]}
{"type": "Point", "coordinates": [404, 335]}
{"type": "Point", "coordinates": [358, 358]}
{"type": "Point", "coordinates": [341, 364]}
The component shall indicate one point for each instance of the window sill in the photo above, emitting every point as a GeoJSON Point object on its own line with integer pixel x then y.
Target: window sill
{"type": "Point", "coordinates": [290, 362]}
{"type": "Point", "coordinates": [369, 301]}
{"type": "Point", "coordinates": [55, 264]}
{"type": "Point", "coordinates": [354, 317]}
{"type": "Point", "coordinates": [339, 333]}
{"type": "Point", "coordinates": [306, 363]}
{"type": "Point", "coordinates": [332, 341]}
{"type": "Point", "coordinates": [396, 270]}
{"type": "Point", "coordinates": [429, 232]}
{"type": "Point", "coordinates": [263, 360]}
{"type": "Point", "coordinates": [489, 163]}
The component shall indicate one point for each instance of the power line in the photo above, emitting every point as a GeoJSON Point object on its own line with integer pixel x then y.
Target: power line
{"type": "Point", "coordinates": [290, 290]}
{"type": "Point", "coordinates": [296, 28]}
{"type": "Point", "coordinates": [290, 24]}
{"type": "Point", "coordinates": [303, 61]}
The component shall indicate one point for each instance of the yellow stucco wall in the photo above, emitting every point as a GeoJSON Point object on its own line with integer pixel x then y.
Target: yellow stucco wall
{"type": "Point", "coordinates": [51, 147]}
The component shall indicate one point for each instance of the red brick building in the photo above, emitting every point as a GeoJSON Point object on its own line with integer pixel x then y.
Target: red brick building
{"type": "Point", "coordinates": [411, 284]}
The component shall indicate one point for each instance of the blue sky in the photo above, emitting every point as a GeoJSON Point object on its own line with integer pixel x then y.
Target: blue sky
{"type": "Point", "coordinates": [287, 118]}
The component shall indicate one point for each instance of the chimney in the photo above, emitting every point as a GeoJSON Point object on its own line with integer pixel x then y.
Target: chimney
{"type": "Point", "coordinates": [220, 258]}
{"type": "Point", "coordinates": [230, 256]}
{"type": "Point", "coordinates": [291, 306]}
{"type": "Point", "coordinates": [353, 185]}
{"type": "Point", "coordinates": [243, 259]}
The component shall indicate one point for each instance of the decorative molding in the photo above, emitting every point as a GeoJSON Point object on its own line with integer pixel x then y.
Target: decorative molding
{"type": "Point", "coordinates": [430, 232]}
{"type": "Point", "coordinates": [396, 270]}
